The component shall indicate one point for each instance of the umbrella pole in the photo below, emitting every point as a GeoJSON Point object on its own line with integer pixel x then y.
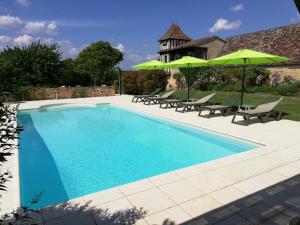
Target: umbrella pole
{"type": "Point", "coordinates": [120, 80]}
{"type": "Point", "coordinates": [243, 83]}
{"type": "Point", "coordinates": [188, 84]}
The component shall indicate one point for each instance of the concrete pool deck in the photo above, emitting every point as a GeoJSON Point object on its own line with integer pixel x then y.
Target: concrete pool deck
{"type": "Point", "coordinates": [185, 194]}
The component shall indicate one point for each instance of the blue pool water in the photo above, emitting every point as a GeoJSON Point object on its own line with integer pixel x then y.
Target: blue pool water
{"type": "Point", "coordinates": [71, 152]}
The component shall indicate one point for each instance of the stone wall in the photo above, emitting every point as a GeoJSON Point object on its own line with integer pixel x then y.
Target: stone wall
{"type": "Point", "coordinates": [68, 92]}
{"type": "Point", "coordinates": [293, 71]}
{"type": "Point", "coordinates": [214, 48]}
{"type": "Point", "coordinates": [171, 81]}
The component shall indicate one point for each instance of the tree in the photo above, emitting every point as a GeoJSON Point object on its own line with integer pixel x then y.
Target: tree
{"type": "Point", "coordinates": [36, 64]}
{"type": "Point", "coordinates": [70, 77]}
{"type": "Point", "coordinates": [98, 61]}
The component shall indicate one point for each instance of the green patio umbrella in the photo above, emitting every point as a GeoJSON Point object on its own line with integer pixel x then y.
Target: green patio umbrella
{"type": "Point", "coordinates": [187, 62]}
{"type": "Point", "coordinates": [246, 57]}
{"type": "Point", "coordinates": [150, 65]}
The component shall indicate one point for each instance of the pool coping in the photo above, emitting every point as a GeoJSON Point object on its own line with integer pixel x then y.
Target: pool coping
{"type": "Point", "coordinates": [128, 192]}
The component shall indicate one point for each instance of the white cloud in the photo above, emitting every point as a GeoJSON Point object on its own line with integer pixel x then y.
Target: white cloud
{"type": "Point", "coordinates": [223, 24]}
{"type": "Point", "coordinates": [23, 40]}
{"type": "Point", "coordinates": [120, 47]}
{"type": "Point", "coordinates": [4, 41]}
{"type": "Point", "coordinates": [68, 49]}
{"type": "Point", "coordinates": [132, 57]}
{"type": "Point", "coordinates": [9, 22]}
{"type": "Point", "coordinates": [40, 27]}
{"type": "Point", "coordinates": [238, 7]}
{"type": "Point", "coordinates": [86, 24]}
{"type": "Point", "coordinates": [23, 3]}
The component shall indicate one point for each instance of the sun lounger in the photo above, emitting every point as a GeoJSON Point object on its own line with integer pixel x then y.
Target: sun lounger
{"type": "Point", "coordinates": [157, 100]}
{"type": "Point", "coordinates": [141, 98]}
{"type": "Point", "coordinates": [169, 103]}
{"type": "Point", "coordinates": [227, 107]}
{"type": "Point", "coordinates": [189, 106]}
{"type": "Point", "coordinates": [262, 112]}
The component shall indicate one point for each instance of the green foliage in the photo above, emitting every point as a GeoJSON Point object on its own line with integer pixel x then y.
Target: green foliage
{"type": "Point", "coordinates": [193, 72]}
{"type": "Point", "coordinates": [37, 64]}
{"type": "Point", "coordinates": [281, 89]}
{"type": "Point", "coordinates": [227, 87]}
{"type": "Point", "coordinates": [252, 72]}
{"type": "Point", "coordinates": [180, 80]}
{"type": "Point", "coordinates": [40, 65]}
{"type": "Point", "coordinates": [225, 78]}
{"type": "Point", "coordinates": [228, 74]}
{"type": "Point", "coordinates": [9, 133]}
{"type": "Point", "coordinates": [287, 89]}
{"type": "Point", "coordinates": [143, 82]}
{"type": "Point", "coordinates": [98, 61]}
{"type": "Point", "coordinates": [70, 77]}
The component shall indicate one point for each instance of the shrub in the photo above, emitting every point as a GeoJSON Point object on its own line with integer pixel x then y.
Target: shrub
{"type": "Point", "coordinates": [287, 79]}
{"type": "Point", "coordinates": [10, 132]}
{"type": "Point", "coordinates": [228, 74]}
{"type": "Point", "coordinates": [287, 89]}
{"type": "Point", "coordinates": [256, 75]}
{"type": "Point", "coordinates": [203, 86]}
{"type": "Point", "coordinates": [259, 80]}
{"type": "Point", "coordinates": [281, 89]}
{"type": "Point", "coordinates": [143, 82]}
{"type": "Point", "coordinates": [228, 87]}
{"type": "Point", "coordinates": [262, 88]}
{"type": "Point", "coordinates": [180, 81]}
{"type": "Point", "coordinates": [275, 79]}
{"type": "Point", "coordinates": [36, 64]}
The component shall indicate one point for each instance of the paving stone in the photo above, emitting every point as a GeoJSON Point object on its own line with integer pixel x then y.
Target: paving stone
{"type": "Point", "coordinates": [151, 201]}
{"type": "Point", "coordinates": [234, 220]}
{"type": "Point", "coordinates": [200, 205]}
{"type": "Point", "coordinates": [174, 214]}
{"type": "Point", "coordinates": [74, 219]}
{"type": "Point", "coordinates": [181, 191]}
{"type": "Point", "coordinates": [259, 213]}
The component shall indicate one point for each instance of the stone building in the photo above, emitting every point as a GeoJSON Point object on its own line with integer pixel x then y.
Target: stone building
{"type": "Point", "coordinates": [284, 41]}
{"type": "Point", "coordinates": [175, 43]}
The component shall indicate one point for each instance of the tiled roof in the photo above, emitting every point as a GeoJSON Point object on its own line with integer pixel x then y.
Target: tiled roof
{"type": "Point", "coordinates": [199, 42]}
{"type": "Point", "coordinates": [196, 43]}
{"type": "Point", "coordinates": [175, 32]}
{"type": "Point", "coordinates": [283, 41]}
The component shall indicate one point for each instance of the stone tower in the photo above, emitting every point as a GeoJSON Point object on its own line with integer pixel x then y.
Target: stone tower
{"type": "Point", "coordinates": [174, 37]}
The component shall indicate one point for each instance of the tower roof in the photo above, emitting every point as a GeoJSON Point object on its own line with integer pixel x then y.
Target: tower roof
{"type": "Point", "coordinates": [175, 32]}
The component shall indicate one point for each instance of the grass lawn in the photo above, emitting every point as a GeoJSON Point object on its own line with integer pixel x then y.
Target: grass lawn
{"type": "Point", "coordinates": [290, 106]}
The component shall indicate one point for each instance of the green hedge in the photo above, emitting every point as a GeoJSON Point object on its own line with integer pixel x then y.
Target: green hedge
{"type": "Point", "coordinates": [143, 82]}
{"type": "Point", "coordinates": [281, 89]}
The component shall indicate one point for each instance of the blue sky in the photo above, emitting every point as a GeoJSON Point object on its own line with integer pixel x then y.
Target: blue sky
{"type": "Point", "coordinates": [134, 26]}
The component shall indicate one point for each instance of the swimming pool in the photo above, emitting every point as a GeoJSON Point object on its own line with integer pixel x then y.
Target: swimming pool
{"type": "Point", "coordinates": [71, 152]}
